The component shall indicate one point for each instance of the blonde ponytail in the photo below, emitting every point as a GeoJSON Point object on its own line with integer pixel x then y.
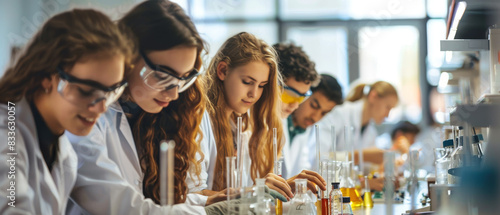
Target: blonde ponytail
{"type": "Point", "coordinates": [382, 89]}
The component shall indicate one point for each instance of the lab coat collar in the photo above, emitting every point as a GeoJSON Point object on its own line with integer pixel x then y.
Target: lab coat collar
{"type": "Point", "coordinates": [357, 108]}
{"type": "Point", "coordinates": [124, 129]}
{"type": "Point", "coordinates": [60, 173]}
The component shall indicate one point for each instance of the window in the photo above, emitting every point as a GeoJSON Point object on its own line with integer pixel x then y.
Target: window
{"type": "Point", "coordinates": [232, 9]}
{"type": "Point", "coordinates": [327, 47]}
{"type": "Point", "coordinates": [336, 34]}
{"type": "Point", "coordinates": [392, 54]}
{"type": "Point", "coordinates": [352, 9]}
{"type": "Point", "coordinates": [215, 34]}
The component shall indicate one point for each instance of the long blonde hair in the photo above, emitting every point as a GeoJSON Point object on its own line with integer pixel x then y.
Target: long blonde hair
{"type": "Point", "coordinates": [63, 40]}
{"type": "Point", "coordinates": [240, 50]}
{"type": "Point", "coordinates": [382, 89]}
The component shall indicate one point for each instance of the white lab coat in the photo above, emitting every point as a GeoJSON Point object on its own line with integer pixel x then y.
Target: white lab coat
{"type": "Point", "coordinates": [37, 190]}
{"type": "Point", "coordinates": [348, 114]}
{"type": "Point", "coordinates": [209, 149]}
{"type": "Point", "coordinates": [109, 179]}
{"type": "Point", "coordinates": [296, 154]}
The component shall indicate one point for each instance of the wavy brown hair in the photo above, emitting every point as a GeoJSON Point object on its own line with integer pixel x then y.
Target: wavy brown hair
{"type": "Point", "coordinates": [240, 50]}
{"type": "Point", "coordinates": [162, 25]}
{"type": "Point", "coordinates": [63, 40]}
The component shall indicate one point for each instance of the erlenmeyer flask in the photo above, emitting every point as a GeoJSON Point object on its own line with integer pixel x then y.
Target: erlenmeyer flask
{"type": "Point", "coordinates": [264, 202]}
{"type": "Point", "coordinates": [367, 197]}
{"type": "Point", "coordinates": [347, 186]}
{"type": "Point", "coordinates": [301, 203]}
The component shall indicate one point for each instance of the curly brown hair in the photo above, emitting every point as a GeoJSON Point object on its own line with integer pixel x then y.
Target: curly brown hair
{"type": "Point", "coordinates": [294, 62]}
{"type": "Point", "coordinates": [162, 25]}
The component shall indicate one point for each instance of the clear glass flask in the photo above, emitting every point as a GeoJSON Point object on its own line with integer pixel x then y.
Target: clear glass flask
{"type": "Point", "coordinates": [367, 196]}
{"type": "Point", "coordinates": [301, 203]}
{"type": "Point", "coordinates": [264, 202]}
{"type": "Point", "coordinates": [347, 186]}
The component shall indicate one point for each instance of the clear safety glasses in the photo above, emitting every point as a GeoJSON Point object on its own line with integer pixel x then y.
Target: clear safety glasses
{"type": "Point", "coordinates": [161, 78]}
{"type": "Point", "coordinates": [87, 92]}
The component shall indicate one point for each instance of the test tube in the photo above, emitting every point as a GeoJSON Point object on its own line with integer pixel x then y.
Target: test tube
{"type": "Point", "coordinates": [239, 153]}
{"type": "Point", "coordinates": [351, 129]}
{"type": "Point", "coordinates": [167, 172]}
{"type": "Point", "coordinates": [318, 160]}
{"type": "Point", "coordinates": [413, 156]}
{"type": "Point", "coordinates": [275, 147]}
{"type": "Point", "coordinates": [334, 141]}
{"type": "Point", "coordinates": [346, 140]}
{"type": "Point", "coordinates": [163, 172]}
{"type": "Point", "coordinates": [277, 169]}
{"type": "Point", "coordinates": [389, 158]}
{"type": "Point", "coordinates": [361, 160]}
{"type": "Point", "coordinates": [317, 145]}
{"type": "Point", "coordinates": [324, 194]}
{"type": "Point", "coordinates": [230, 182]}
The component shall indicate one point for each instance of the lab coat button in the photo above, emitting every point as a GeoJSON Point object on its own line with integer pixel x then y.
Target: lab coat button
{"type": "Point", "coordinates": [137, 182]}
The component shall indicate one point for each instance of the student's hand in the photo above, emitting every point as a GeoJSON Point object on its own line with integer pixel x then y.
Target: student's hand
{"type": "Point", "coordinates": [376, 184]}
{"type": "Point", "coordinates": [279, 184]}
{"type": "Point", "coordinates": [220, 196]}
{"type": "Point", "coordinates": [313, 179]}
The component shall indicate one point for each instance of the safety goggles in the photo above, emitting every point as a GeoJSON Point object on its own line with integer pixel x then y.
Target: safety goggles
{"type": "Point", "coordinates": [161, 78]}
{"type": "Point", "coordinates": [87, 92]}
{"type": "Point", "coordinates": [291, 95]}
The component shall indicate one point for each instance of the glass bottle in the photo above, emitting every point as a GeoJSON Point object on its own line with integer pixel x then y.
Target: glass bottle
{"type": "Point", "coordinates": [456, 155]}
{"type": "Point", "coordinates": [443, 163]}
{"type": "Point", "coordinates": [347, 186]}
{"type": "Point", "coordinates": [346, 206]}
{"type": "Point", "coordinates": [301, 203]}
{"type": "Point", "coordinates": [335, 199]}
{"type": "Point", "coordinates": [477, 150]}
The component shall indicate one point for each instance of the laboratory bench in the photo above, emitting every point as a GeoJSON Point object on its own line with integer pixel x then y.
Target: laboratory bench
{"type": "Point", "coordinates": [380, 209]}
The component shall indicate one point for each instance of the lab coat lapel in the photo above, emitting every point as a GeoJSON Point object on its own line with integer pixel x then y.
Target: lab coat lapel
{"type": "Point", "coordinates": [125, 132]}
{"type": "Point", "coordinates": [52, 180]}
{"type": "Point", "coordinates": [355, 118]}
{"type": "Point", "coordinates": [286, 148]}
{"type": "Point", "coordinates": [64, 171]}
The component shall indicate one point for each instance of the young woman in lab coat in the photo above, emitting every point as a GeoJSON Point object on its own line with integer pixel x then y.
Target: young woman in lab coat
{"type": "Point", "coordinates": [366, 106]}
{"type": "Point", "coordinates": [119, 160]}
{"type": "Point", "coordinates": [66, 77]}
{"type": "Point", "coordinates": [242, 80]}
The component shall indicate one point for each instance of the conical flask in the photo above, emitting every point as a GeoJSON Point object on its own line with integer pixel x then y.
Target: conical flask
{"type": "Point", "coordinates": [367, 196]}
{"type": "Point", "coordinates": [301, 203]}
{"type": "Point", "coordinates": [347, 186]}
